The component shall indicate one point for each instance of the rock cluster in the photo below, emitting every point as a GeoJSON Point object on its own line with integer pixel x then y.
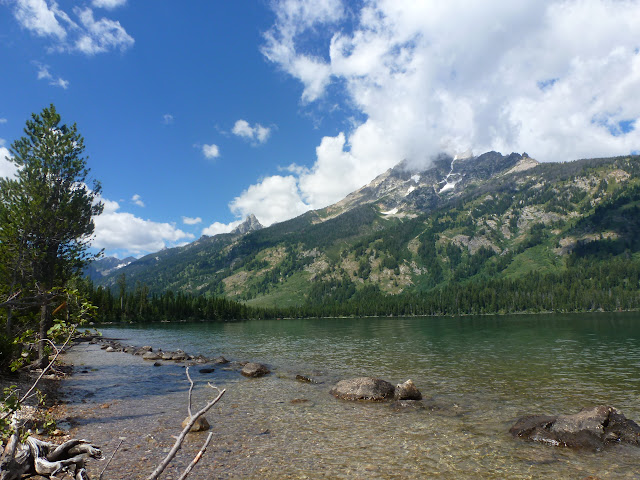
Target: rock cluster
{"type": "Point", "coordinates": [374, 389]}
{"type": "Point", "coordinates": [591, 428]}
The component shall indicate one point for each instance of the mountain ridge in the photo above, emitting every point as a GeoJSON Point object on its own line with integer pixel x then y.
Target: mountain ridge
{"type": "Point", "coordinates": [465, 220]}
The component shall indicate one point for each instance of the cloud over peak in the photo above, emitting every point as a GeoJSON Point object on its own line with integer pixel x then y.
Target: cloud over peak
{"type": "Point", "coordinates": [558, 79]}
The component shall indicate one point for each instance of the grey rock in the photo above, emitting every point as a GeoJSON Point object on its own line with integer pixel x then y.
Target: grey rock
{"type": "Point", "coordinates": [254, 370]}
{"type": "Point", "coordinates": [151, 356]}
{"type": "Point", "coordinates": [363, 388]}
{"type": "Point", "coordinates": [591, 428]}
{"type": "Point", "coordinates": [407, 391]}
{"type": "Point", "coordinates": [200, 425]}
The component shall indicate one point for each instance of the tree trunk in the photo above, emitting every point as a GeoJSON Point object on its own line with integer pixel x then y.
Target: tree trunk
{"type": "Point", "coordinates": [44, 328]}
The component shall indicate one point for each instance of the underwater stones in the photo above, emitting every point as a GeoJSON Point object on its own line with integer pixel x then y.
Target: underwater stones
{"type": "Point", "coordinates": [363, 388]}
{"type": "Point", "coordinates": [200, 425]}
{"type": "Point", "coordinates": [591, 428]}
{"type": "Point", "coordinates": [254, 370]}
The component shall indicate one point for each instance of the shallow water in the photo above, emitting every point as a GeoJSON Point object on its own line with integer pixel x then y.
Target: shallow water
{"type": "Point", "coordinates": [479, 374]}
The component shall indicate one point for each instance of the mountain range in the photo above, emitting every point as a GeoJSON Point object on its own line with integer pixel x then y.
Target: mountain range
{"type": "Point", "coordinates": [461, 222]}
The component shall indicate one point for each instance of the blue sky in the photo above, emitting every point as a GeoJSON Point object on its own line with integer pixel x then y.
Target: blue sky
{"type": "Point", "coordinates": [198, 113]}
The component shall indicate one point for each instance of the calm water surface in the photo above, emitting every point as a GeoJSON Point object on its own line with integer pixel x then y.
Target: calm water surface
{"type": "Point", "coordinates": [478, 373]}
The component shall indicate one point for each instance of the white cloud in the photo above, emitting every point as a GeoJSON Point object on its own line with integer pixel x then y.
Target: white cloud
{"type": "Point", "coordinates": [108, 4]}
{"type": "Point", "coordinates": [45, 18]}
{"type": "Point", "coordinates": [256, 134]}
{"type": "Point", "coordinates": [557, 79]}
{"type": "Point", "coordinates": [40, 18]}
{"type": "Point", "coordinates": [3, 120]}
{"type": "Point", "coordinates": [553, 78]}
{"type": "Point", "coordinates": [101, 35]}
{"type": "Point", "coordinates": [296, 19]}
{"type": "Point", "coordinates": [137, 199]}
{"type": "Point", "coordinates": [211, 151]}
{"type": "Point", "coordinates": [124, 232]}
{"type": "Point", "coordinates": [7, 168]}
{"type": "Point", "coordinates": [191, 220]}
{"type": "Point", "coordinates": [45, 74]}
{"type": "Point", "coordinates": [272, 200]}
{"type": "Point", "coordinates": [216, 228]}
{"type": "Point", "coordinates": [167, 119]}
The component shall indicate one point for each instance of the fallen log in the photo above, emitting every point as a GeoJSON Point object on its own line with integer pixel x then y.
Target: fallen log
{"type": "Point", "coordinates": [37, 457]}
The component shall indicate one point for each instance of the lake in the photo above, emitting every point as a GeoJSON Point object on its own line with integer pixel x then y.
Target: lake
{"type": "Point", "coordinates": [478, 374]}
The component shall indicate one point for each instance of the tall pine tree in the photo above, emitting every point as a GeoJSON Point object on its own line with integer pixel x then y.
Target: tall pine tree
{"type": "Point", "coordinates": [46, 216]}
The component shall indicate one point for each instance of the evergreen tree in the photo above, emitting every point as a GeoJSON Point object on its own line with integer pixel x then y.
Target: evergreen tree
{"type": "Point", "coordinates": [46, 215]}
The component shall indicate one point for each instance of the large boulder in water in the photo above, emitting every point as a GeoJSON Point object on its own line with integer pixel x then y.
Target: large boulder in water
{"type": "Point", "coordinates": [254, 370]}
{"type": "Point", "coordinates": [591, 428]}
{"type": "Point", "coordinates": [363, 388]}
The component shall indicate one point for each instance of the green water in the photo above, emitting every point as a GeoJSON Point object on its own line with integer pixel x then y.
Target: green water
{"type": "Point", "coordinates": [480, 374]}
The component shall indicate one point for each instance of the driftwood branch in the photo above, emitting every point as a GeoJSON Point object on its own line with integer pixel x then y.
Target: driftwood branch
{"type": "Point", "coordinates": [180, 440]}
{"type": "Point", "coordinates": [197, 458]}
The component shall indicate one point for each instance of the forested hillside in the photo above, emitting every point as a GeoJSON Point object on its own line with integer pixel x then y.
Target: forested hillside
{"type": "Point", "coordinates": [489, 234]}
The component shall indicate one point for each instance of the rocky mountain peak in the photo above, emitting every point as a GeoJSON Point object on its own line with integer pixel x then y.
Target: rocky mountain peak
{"type": "Point", "coordinates": [250, 224]}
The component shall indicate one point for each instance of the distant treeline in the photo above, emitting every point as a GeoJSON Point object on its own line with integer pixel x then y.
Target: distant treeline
{"type": "Point", "coordinates": [610, 285]}
{"type": "Point", "coordinates": [140, 306]}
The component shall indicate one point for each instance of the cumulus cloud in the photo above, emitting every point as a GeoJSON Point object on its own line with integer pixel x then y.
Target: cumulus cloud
{"type": "Point", "coordinates": [7, 168]}
{"type": "Point", "coordinates": [211, 151]}
{"type": "Point", "coordinates": [118, 231]}
{"type": "Point", "coordinates": [167, 119]}
{"type": "Point", "coordinates": [556, 79]}
{"type": "Point", "coordinates": [137, 199]}
{"type": "Point", "coordinates": [256, 134]}
{"type": "Point", "coordinates": [191, 220]}
{"type": "Point", "coordinates": [272, 200]}
{"type": "Point", "coordinates": [216, 228]}
{"type": "Point", "coordinates": [46, 19]}
{"type": "Point", "coordinates": [552, 78]}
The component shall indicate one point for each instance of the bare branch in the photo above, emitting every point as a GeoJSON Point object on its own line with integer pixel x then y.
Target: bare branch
{"type": "Point", "coordinates": [190, 392]}
{"type": "Point", "coordinates": [178, 444]}
{"type": "Point", "coordinates": [110, 458]}
{"type": "Point", "coordinates": [197, 458]}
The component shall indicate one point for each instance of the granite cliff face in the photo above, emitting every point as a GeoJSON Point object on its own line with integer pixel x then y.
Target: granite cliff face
{"type": "Point", "coordinates": [251, 224]}
{"type": "Point", "coordinates": [402, 191]}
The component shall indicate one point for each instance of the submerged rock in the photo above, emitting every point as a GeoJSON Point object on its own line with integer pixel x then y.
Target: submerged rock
{"type": "Point", "coordinates": [363, 388]}
{"type": "Point", "coordinates": [254, 370]}
{"type": "Point", "coordinates": [591, 428]}
{"type": "Point", "coordinates": [305, 379]}
{"type": "Point", "coordinates": [407, 391]}
{"type": "Point", "coordinates": [200, 426]}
